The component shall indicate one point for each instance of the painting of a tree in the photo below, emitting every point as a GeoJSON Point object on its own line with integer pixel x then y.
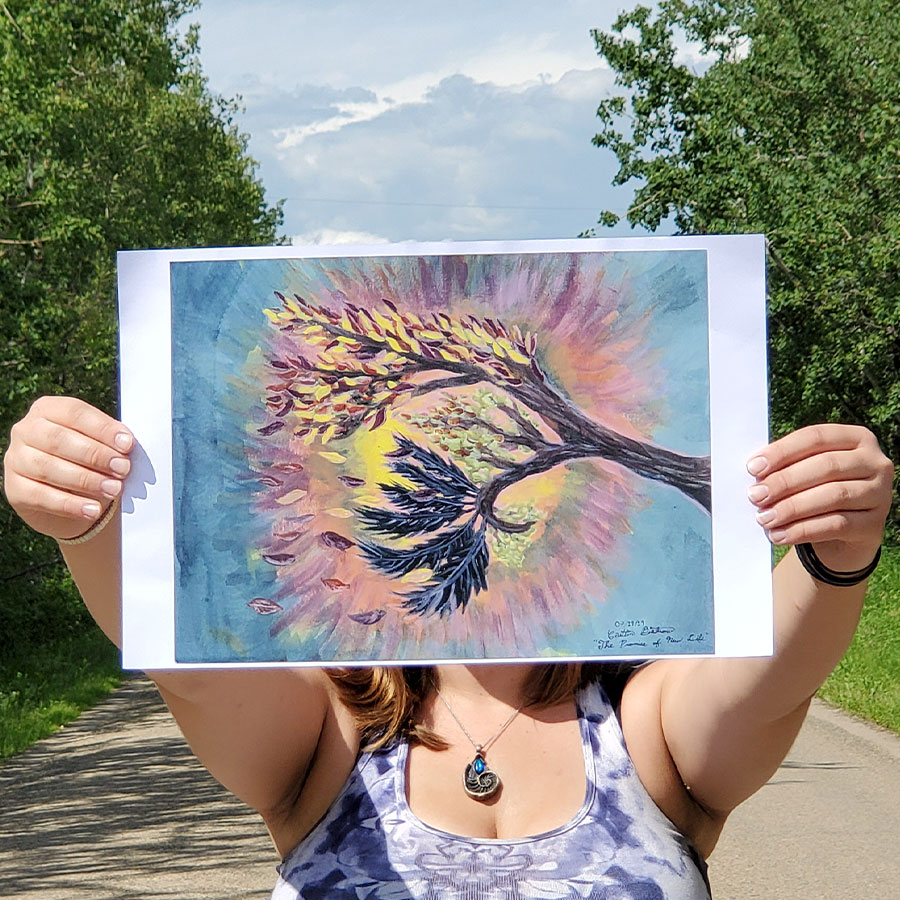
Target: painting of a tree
{"type": "Point", "coordinates": [446, 454]}
{"type": "Point", "coordinates": [369, 361]}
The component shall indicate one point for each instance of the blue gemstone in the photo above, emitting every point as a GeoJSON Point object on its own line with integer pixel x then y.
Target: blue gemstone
{"type": "Point", "coordinates": [479, 765]}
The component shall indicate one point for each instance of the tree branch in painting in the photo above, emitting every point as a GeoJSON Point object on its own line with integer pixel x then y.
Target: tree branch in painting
{"type": "Point", "coordinates": [517, 424]}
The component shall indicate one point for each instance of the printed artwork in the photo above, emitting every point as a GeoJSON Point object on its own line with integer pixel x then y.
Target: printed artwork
{"type": "Point", "coordinates": [447, 456]}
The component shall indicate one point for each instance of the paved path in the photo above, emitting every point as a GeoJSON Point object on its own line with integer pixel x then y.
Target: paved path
{"type": "Point", "coordinates": [105, 812]}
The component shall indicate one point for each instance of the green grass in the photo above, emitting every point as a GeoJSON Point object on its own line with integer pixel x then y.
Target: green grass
{"type": "Point", "coordinates": [73, 673]}
{"type": "Point", "coordinates": [53, 687]}
{"type": "Point", "coordinates": [867, 681]}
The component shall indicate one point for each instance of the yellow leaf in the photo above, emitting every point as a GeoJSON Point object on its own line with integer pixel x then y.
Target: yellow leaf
{"type": "Point", "coordinates": [322, 391]}
{"type": "Point", "coordinates": [329, 433]}
{"type": "Point", "coordinates": [309, 437]}
{"type": "Point", "coordinates": [332, 456]}
{"type": "Point", "coordinates": [393, 344]}
{"type": "Point", "coordinates": [515, 356]}
{"type": "Point", "coordinates": [294, 307]}
{"type": "Point", "coordinates": [498, 350]}
{"type": "Point", "coordinates": [339, 513]}
{"type": "Point", "coordinates": [271, 315]}
{"type": "Point", "coordinates": [417, 576]}
{"type": "Point", "coordinates": [399, 327]}
{"type": "Point", "coordinates": [291, 497]}
{"type": "Point", "coordinates": [381, 320]}
{"type": "Point", "coordinates": [472, 337]}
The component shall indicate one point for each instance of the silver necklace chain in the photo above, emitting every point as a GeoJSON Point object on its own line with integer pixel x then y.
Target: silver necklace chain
{"type": "Point", "coordinates": [479, 748]}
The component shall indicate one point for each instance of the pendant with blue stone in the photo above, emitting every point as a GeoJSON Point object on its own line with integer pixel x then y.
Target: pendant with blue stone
{"type": "Point", "coordinates": [479, 781]}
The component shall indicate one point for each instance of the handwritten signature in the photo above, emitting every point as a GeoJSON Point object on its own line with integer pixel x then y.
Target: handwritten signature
{"type": "Point", "coordinates": [629, 634]}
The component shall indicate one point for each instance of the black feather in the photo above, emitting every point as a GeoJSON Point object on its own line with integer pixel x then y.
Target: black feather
{"type": "Point", "coordinates": [457, 556]}
{"type": "Point", "coordinates": [459, 576]}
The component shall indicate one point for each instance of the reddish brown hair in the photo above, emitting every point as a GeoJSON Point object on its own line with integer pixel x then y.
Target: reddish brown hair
{"type": "Point", "coordinates": [385, 699]}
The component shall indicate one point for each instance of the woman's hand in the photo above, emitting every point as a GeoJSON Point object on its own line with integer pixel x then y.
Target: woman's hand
{"type": "Point", "coordinates": [65, 464]}
{"type": "Point", "coordinates": [829, 485]}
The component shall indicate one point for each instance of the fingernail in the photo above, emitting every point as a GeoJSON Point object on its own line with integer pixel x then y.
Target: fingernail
{"type": "Point", "coordinates": [757, 465]}
{"type": "Point", "coordinates": [90, 510]}
{"type": "Point", "coordinates": [777, 537]}
{"type": "Point", "coordinates": [766, 516]}
{"type": "Point", "coordinates": [120, 466]}
{"type": "Point", "coordinates": [123, 441]}
{"type": "Point", "coordinates": [111, 487]}
{"type": "Point", "coordinates": [757, 493]}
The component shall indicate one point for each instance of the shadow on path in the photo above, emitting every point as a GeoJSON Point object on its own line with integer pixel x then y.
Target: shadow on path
{"type": "Point", "coordinates": [115, 806]}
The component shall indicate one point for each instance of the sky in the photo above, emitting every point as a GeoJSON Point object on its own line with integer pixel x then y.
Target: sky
{"type": "Point", "coordinates": [419, 120]}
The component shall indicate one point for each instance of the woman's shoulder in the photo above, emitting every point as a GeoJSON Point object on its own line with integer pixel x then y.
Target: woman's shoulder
{"type": "Point", "coordinates": [639, 715]}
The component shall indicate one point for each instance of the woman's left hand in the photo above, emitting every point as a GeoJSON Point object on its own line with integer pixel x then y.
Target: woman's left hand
{"type": "Point", "coordinates": [829, 485]}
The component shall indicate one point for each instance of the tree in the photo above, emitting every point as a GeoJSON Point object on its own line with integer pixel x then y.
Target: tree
{"type": "Point", "coordinates": [371, 360]}
{"type": "Point", "coordinates": [790, 129]}
{"type": "Point", "coordinates": [109, 139]}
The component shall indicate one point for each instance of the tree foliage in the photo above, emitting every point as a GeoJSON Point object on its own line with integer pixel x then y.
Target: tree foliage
{"type": "Point", "coordinates": [109, 139]}
{"type": "Point", "coordinates": [342, 368]}
{"type": "Point", "coordinates": [790, 128]}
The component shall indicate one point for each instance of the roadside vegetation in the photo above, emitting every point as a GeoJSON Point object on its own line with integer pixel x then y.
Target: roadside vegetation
{"type": "Point", "coordinates": [109, 140]}
{"type": "Point", "coordinates": [867, 681]}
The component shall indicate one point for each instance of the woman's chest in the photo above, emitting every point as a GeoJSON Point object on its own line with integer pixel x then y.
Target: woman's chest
{"type": "Point", "coordinates": [542, 769]}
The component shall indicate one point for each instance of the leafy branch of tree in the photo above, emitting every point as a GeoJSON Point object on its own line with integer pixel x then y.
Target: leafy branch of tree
{"type": "Point", "coordinates": [372, 361]}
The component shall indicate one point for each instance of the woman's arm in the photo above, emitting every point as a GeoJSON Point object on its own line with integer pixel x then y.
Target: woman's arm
{"type": "Point", "coordinates": [726, 724]}
{"type": "Point", "coordinates": [257, 731]}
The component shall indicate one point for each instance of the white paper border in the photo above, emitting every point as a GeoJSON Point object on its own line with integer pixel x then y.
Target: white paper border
{"type": "Point", "coordinates": [737, 331]}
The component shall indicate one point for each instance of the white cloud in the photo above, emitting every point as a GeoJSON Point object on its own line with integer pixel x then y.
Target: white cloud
{"type": "Point", "coordinates": [330, 237]}
{"type": "Point", "coordinates": [470, 160]}
{"type": "Point", "coordinates": [429, 122]}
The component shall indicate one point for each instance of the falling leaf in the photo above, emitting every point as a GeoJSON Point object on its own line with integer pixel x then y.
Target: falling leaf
{"type": "Point", "coordinates": [263, 606]}
{"type": "Point", "coordinates": [271, 429]}
{"type": "Point", "coordinates": [289, 468]}
{"type": "Point", "coordinates": [279, 559]}
{"type": "Point", "coordinates": [270, 481]}
{"type": "Point", "coordinates": [339, 512]}
{"type": "Point", "coordinates": [332, 456]}
{"type": "Point", "coordinates": [350, 481]}
{"type": "Point", "coordinates": [335, 584]}
{"type": "Point", "coordinates": [337, 541]}
{"type": "Point", "coordinates": [367, 618]}
{"type": "Point", "coordinates": [291, 497]}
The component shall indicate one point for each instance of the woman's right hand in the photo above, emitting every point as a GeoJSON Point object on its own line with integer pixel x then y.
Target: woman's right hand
{"type": "Point", "coordinates": [65, 464]}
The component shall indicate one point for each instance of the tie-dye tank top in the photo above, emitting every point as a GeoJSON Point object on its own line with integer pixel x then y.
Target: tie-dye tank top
{"type": "Point", "coordinates": [618, 846]}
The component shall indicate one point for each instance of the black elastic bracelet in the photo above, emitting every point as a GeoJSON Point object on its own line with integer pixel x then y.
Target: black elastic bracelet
{"type": "Point", "coordinates": [821, 572]}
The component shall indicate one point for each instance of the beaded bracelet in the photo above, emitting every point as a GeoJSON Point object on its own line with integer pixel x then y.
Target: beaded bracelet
{"type": "Point", "coordinates": [95, 529]}
{"type": "Point", "coordinates": [811, 562]}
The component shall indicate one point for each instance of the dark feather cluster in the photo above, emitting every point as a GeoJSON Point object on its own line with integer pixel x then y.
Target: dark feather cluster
{"type": "Point", "coordinates": [457, 556]}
